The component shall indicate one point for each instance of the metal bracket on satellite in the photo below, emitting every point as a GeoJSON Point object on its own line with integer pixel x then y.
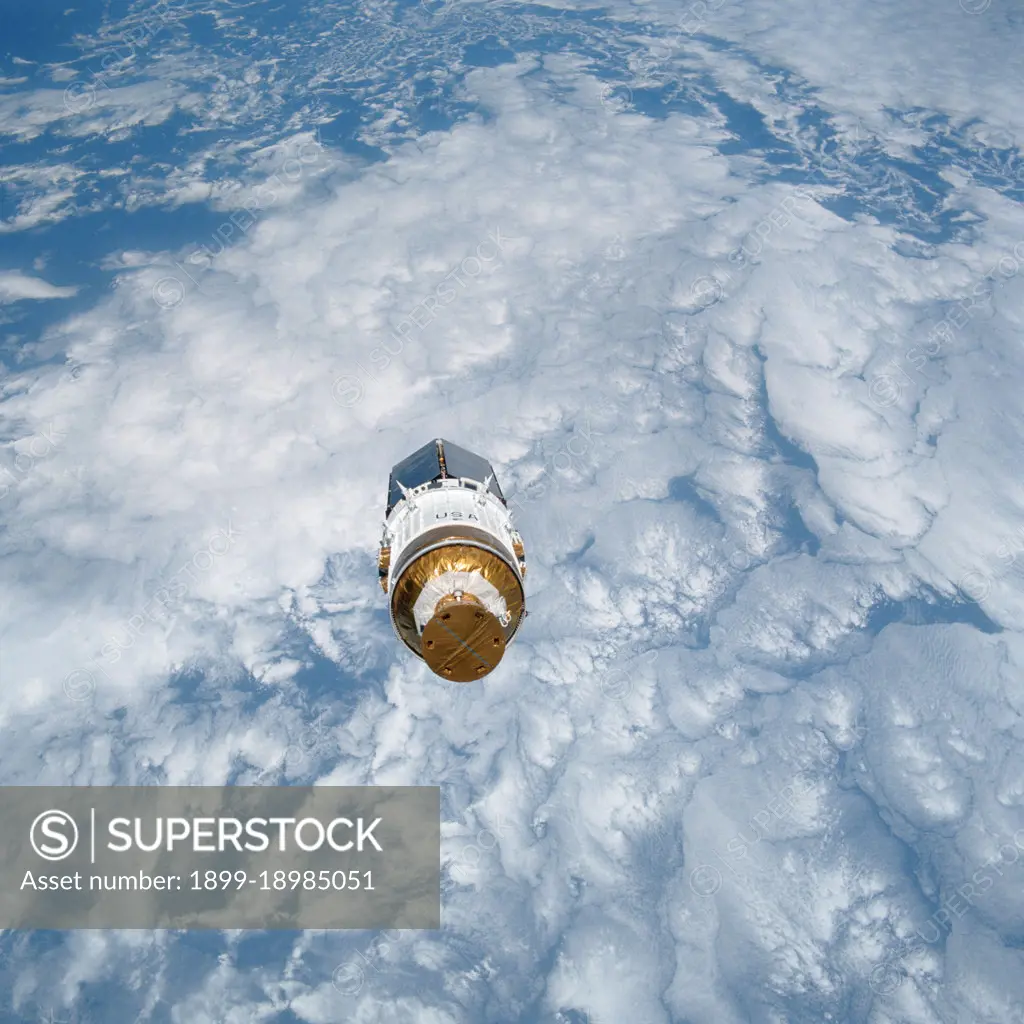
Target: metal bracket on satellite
{"type": "Point", "coordinates": [481, 498]}
{"type": "Point", "coordinates": [406, 493]}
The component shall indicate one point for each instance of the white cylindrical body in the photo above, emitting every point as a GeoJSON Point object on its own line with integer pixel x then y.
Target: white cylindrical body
{"type": "Point", "coordinates": [450, 503]}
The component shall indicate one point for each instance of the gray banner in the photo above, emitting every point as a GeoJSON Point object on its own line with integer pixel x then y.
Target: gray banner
{"type": "Point", "coordinates": [263, 857]}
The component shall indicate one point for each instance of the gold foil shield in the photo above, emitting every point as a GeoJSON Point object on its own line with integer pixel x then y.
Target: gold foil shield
{"type": "Point", "coordinates": [454, 557]}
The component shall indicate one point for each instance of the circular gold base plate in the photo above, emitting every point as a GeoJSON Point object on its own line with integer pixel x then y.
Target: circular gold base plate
{"type": "Point", "coordinates": [463, 641]}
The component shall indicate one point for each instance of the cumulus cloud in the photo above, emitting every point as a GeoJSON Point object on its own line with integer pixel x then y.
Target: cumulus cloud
{"type": "Point", "coordinates": [15, 286]}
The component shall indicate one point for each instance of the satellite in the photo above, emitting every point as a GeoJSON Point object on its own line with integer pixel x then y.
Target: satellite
{"type": "Point", "coordinates": [451, 562]}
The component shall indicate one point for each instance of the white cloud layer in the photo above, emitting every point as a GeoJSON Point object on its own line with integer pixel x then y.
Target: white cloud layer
{"type": "Point", "coordinates": [763, 724]}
